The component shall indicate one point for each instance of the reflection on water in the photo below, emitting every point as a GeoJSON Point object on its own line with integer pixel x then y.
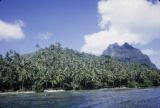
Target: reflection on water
{"type": "Point", "coordinates": [103, 98]}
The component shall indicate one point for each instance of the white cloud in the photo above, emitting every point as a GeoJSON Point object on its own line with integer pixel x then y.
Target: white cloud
{"type": "Point", "coordinates": [11, 30]}
{"type": "Point", "coordinates": [150, 52]}
{"type": "Point", "coordinates": [154, 56]}
{"type": "Point", "coordinates": [44, 36]}
{"type": "Point", "coordinates": [98, 42]}
{"type": "Point", "coordinates": [132, 21]}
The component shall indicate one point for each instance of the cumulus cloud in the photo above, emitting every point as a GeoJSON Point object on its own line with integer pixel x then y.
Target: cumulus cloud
{"type": "Point", "coordinates": [44, 36]}
{"type": "Point", "coordinates": [154, 56]}
{"type": "Point", "coordinates": [150, 52]}
{"type": "Point", "coordinates": [132, 21]}
{"type": "Point", "coordinates": [11, 30]}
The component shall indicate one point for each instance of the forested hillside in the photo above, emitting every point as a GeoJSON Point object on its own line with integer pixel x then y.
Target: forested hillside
{"type": "Point", "coordinates": [62, 68]}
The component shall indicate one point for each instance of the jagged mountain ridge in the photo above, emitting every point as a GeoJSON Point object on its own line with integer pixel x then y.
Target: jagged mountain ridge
{"type": "Point", "coordinates": [127, 53]}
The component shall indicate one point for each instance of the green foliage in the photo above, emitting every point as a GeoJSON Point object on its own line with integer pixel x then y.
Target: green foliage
{"type": "Point", "coordinates": [61, 68]}
{"type": "Point", "coordinates": [132, 84]}
{"type": "Point", "coordinates": [38, 87]}
{"type": "Point", "coordinates": [146, 83]}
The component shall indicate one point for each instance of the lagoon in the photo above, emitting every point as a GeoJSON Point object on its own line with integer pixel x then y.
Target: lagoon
{"type": "Point", "coordinates": [102, 98]}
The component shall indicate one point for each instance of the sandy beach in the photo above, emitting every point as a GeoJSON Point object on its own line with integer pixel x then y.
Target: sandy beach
{"type": "Point", "coordinates": [30, 92]}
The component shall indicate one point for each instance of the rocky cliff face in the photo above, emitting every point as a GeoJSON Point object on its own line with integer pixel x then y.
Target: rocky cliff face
{"type": "Point", "coordinates": [129, 54]}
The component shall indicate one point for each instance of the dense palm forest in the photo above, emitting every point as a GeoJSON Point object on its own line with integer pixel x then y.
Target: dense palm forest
{"type": "Point", "coordinates": [62, 68]}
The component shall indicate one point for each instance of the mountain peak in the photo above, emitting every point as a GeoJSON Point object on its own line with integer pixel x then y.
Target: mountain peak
{"type": "Point", "coordinates": [115, 45]}
{"type": "Point", "coordinates": [127, 53]}
{"type": "Point", "coordinates": [127, 46]}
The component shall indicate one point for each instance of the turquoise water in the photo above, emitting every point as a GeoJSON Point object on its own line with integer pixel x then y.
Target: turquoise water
{"type": "Point", "coordinates": [103, 98]}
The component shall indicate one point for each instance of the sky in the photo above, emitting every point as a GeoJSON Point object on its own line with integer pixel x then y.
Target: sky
{"type": "Point", "coordinates": [84, 25]}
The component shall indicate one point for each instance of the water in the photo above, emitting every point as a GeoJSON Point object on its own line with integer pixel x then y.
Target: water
{"type": "Point", "coordinates": [103, 98]}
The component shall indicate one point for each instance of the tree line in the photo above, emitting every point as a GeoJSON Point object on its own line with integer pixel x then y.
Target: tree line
{"type": "Point", "coordinates": [55, 67]}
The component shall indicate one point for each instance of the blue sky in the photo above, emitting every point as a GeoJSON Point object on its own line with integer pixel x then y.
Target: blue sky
{"type": "Point", "coordinates": [67, 20]}
{"type": "Point", "coordinates": [80, 25]}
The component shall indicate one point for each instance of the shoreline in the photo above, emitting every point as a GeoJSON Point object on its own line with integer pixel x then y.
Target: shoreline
{"type": "Point", "coordinates": [55, 91]}
{"type": "Point", "coordinates": [61, 90]}
{"type": "Point", "coordinates": [17, 92]}
{"type": "Point", "coordinates": [31, 92]}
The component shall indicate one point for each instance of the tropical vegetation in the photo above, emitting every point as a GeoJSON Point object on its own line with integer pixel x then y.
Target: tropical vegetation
{"type": "Point", "coordinates": [55, 67]}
